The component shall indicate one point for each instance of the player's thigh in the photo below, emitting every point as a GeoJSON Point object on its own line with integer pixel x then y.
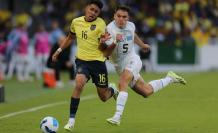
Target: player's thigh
{"type": "Point", "coordinates": [134, 65]}
{"type": "Point", "coordinates": [102, 91]}
{"type": "Point", "coordinates": [80, 81]}
{"type": "Point", "coordinates": [82, 74]}
{"type": "Point", "coordinates": [82, 67]}
{"type": "Point", "coordinates": [99, 74]}
{"type": "Point", "coordinates": [126, 76]}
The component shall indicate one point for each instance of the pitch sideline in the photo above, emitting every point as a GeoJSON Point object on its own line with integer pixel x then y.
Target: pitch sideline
{"type": "Point", "coordinates": [42, 107]}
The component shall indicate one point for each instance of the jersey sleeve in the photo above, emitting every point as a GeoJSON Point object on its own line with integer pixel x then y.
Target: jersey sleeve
{"type": "Point", "coordinates": [132, 26]}
{"type": "Point", "coordinates": [72, 28]}
{"type": "Point", "coordinates": [110, 31]}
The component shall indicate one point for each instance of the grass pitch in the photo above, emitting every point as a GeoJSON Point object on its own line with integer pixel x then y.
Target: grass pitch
{"type": "Point", "coordinates": [176, 109]}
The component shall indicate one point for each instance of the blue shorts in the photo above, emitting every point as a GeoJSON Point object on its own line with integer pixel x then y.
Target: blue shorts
{"type": "Point", "coordinates": [97, 70]}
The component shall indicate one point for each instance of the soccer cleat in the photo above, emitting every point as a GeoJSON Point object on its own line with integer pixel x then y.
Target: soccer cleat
{"type": "Point", "coordinates": [176, 78]}
{"type": "Point", "coordinates": [116, 92]}
{"type": "Point", "coordinates": [69, 127]}
{"type": "Point", "coordinates": [114, 121]}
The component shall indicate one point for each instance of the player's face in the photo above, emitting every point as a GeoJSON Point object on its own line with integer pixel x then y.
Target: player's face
{"type": "Point", "coordinates": [121, 17]}
{"type": "Point", "coordinates": [92, 12]}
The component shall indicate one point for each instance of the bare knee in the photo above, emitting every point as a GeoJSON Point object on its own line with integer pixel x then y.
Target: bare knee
{"type": "Point", "coordinates": [104, 94]}
{"type": "Point", "coordinates": [103, 98]}
{"type": "Point", "coordinates": [79, 85]}
{"type": "Point", "coordinates": [77, 90]}
{"type": "Point", "coordinates": [80, 82]}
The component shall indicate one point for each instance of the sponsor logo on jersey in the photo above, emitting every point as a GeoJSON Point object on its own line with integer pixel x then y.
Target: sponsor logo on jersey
{"type": "Point", "coordinates": [93, 27]}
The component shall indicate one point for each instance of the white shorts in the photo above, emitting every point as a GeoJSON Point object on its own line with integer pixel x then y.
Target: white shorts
{"type": "Point", "coordinates": [134, 65]}
{"type": "Point", "coordinates": [21, 58]}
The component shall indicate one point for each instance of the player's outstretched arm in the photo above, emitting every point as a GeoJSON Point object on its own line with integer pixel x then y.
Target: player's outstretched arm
{"type": "Point", "coordinates": [140, 43]}
{"type": "Point", "coordinates": [66, 43]}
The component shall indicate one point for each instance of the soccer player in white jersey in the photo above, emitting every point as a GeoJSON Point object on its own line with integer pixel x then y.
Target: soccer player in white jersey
{"type": "Point", "coordinates": [119, 44]}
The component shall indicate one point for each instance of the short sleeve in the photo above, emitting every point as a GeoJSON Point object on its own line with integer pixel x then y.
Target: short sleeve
{"type": "Point", "coordinates": [132, 26]}
{"type": "Point", "coordinates": [110, 29]}
{"type": "Point", "coordinates": [72, 28]}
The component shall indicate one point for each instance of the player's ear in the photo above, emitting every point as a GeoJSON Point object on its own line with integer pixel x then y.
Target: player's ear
{"type": "Point", "coordinates": [114, 15]}
{"type": "Point", "coordinates": [128, 18]}
{"type": "Point", "coordinates": [86, 8]}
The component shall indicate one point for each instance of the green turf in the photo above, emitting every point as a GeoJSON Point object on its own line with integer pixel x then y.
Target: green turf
{"type": "Point", "coordinates": [177, 109]}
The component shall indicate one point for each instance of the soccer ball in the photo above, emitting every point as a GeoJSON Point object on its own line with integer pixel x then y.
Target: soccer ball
{"type": "Point", "coordinates": [49, 125]}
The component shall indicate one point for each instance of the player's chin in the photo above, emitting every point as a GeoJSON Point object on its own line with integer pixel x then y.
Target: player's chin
{"type": "Point", "coordinates": [91, 18]}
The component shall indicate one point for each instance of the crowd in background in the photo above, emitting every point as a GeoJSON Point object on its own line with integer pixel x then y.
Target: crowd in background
{"type": "Point", "coordinates": [174, 22]}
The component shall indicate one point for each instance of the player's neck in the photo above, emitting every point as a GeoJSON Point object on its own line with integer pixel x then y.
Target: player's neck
{"type": "Point", "coordinates": [89, 20]}
{"type": "Point", "coordinates": [120, 27]}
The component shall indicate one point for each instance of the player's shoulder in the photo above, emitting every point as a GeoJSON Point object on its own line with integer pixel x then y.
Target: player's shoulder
{"type": "Point", "coordinates": [131, 25]}
{"type": "Point", "coordinates": [81, 18]}
{"type": "Point", "coordinates": [100, 21]}
{"type": "Point", "coordinates": [111, 25]}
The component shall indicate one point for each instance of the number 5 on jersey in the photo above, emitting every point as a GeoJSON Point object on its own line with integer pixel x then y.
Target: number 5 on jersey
{"type": "Point", "coordinates": [125, 48]}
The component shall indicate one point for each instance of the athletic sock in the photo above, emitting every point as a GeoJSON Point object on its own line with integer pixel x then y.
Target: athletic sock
{"type": "Point", "coordinates": [71, 121]}
{"type": "Point", "coordinates": [160, 84]}
{"type": "Point", "coordinates": [121, 101]}
{"type": "Point", "coordinates": [74, 106]}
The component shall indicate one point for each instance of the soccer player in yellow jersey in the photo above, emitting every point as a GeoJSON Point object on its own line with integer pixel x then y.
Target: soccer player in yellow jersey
{"type": "Point", "coordinates": [90, 61]}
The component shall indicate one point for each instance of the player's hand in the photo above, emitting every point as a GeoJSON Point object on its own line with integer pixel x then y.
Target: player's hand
{"type": "Point", "coordinates": [55, 56]}
{"type": "Point", "coordinates": [105, 37]}
{"type": "Point", "coordinates": [146, 47]}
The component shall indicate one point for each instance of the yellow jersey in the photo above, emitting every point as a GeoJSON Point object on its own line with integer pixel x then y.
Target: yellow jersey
{"type": "Point", "coordinates": [87, 37]}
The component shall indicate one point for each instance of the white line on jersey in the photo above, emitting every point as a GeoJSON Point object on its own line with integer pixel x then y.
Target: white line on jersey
{"type": "Point", "coordinates": [42, 107]}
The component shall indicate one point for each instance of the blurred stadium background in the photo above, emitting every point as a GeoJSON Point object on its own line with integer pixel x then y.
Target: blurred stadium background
{"type": "Point", "coordinates": [183, 35]}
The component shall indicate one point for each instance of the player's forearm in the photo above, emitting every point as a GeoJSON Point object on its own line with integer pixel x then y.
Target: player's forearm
{"type": "Point", "coordinates": [102, 46]}
{"type": "Point", "coordinates": [108, 51]}
{"type": "Point", "coordinates": [67, 42]}
{"type": "Point", "coordinates": [138, 41]}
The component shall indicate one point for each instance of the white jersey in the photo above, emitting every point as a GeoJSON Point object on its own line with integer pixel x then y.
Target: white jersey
{"type": "Point", "coordinates": [125, 48]}
{"type": "Point", "coordinates": [124, 56]}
